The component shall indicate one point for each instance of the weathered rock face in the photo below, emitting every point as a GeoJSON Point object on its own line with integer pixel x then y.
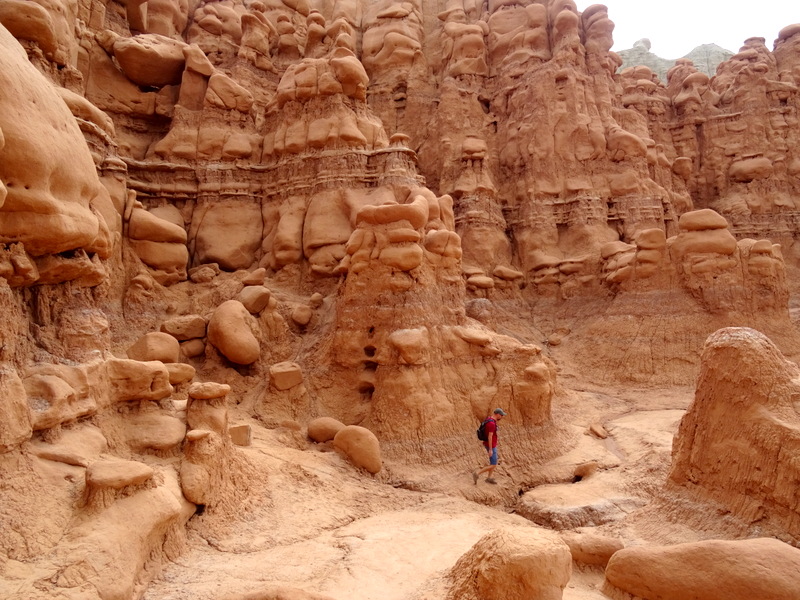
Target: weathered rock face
{"type": "Point", "coordinates": [368, 211]}
{"type": "Point", "coordinates": [745, 410]}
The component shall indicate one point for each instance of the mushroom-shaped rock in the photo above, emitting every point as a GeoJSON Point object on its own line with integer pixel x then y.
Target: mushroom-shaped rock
{"type": "Point", "coordinates": [709, 570]}
{"type": "Point", "coordinates": [230, 330]}
{"type": "Point", "coordinates": [137, 380]}
{"type": "Point", "coordinates": [701, 220]}
{"type": "Point", "coordinates": [208, 390]}
{"type": "Point", "coordinates": [207, 408]}
{"type": "Point", "coordinates": [324, 429]}
{"type": "Point", "coordinates": [507, 273]}
{"type": "Point", "coordinates": [195, 475]}
{"type": "Point", "coordinates": [105, 478]}
{"type": "Point", "coordinates": [361, 446]}
{"type": "Point", "coordinates": [156, 346]}
{"type": "Point", "coordinates": [285, 375]}
{"type": "Point", "coordinates": [513, 564]}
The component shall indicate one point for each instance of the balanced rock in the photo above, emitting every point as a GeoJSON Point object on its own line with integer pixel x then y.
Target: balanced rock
{"type": "Point", "coordinates": [208, 390]}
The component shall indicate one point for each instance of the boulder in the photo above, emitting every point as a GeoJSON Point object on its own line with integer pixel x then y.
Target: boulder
{"type": "Point", "coordinates": [137, 380]}
{"type": "Point", "coordinates": [180, 372]}
{"type": "Point", "coordinates": [255, 298]}
{"type": "Point", "coordinates": [285, 375]}
{"type": "Point", "coordinates": [185, 327]}
{"type": "Point", "coordinates": [709, 570]}
{"type": "Point", "coordinates": [230, 330]}
{"type": "Point", "coordinates": [361, 446]}
{"type": "Point", "coordinates": [324, 429]}
{"type": "Point", "coordinates": [241, 435]}
{"type": "Point", "coordinates": [193, 348]}
{"type": "Point", "coordinates": [156, 346]}
{"type": "Point", "coordinates": [302, 314]}
{"type": "Point", "coordinates": [255, 277]}
{"type": "Point", "coordinates": [522, 563]}
{"type": "Point", "coordinates": [154, 431]}
{"type": "Point", "coordinates": [229, 235]}
{"type": "Point", "coordinates": [701, 220]}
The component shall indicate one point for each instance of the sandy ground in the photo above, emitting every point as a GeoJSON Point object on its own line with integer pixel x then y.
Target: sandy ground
{"type": "Point", "coordinates": [319, 525]}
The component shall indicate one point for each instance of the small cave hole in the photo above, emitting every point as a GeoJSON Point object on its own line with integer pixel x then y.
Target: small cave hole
{"type": "Point", "coordinates": [369, 350]}
{"type": "Point", "coordinates": [365, 387]}
{"type": "Point", "coordinates": [486, 104]}
{"type": "Point", "coordinates": [370, 365]}
{"type": "Point", "coordinates": [371, 331]}
{"type": "Point", "coordinates": [577, 478]}
{"type": "Point", "coordinates": [201, 508]}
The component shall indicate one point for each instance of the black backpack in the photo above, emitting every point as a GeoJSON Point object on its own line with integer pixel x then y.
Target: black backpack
{"type": "Point", "coordinates": [482, 430]}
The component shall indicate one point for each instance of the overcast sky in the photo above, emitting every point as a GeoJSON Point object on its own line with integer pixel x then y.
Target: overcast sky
{"type": "Point", "coordinates": [675, 27]}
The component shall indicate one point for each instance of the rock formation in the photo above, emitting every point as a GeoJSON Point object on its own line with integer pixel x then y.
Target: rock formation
{"type": "Point", "coordinates": [706, 57]}
{"type": "Point", "coordinates": [392, 215]}
{"type": "Point", "coordinates": [737, 444]}
{"type": "Point", "coordinates": [756, 568]}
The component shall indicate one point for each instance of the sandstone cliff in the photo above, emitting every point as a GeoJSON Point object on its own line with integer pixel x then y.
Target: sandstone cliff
{"type": "Point", "coordinates": [234, 216]}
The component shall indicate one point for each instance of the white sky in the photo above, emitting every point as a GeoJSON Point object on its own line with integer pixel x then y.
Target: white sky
{"type": "Point", "coordinates": [675, 27]}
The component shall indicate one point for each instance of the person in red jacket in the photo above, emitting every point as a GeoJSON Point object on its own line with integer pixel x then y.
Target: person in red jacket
{"type": "Point", "coordinates": [491, 445]}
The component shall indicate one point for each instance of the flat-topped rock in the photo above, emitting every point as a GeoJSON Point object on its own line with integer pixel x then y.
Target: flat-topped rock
{"type": "Point", "coordinates": [208, 390]}
{"type": "Point", "coordinates": [116, 473]}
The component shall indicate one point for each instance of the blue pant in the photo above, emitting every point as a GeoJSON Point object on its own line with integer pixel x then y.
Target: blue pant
{"type": "Point", "coordinates": [493, 457]}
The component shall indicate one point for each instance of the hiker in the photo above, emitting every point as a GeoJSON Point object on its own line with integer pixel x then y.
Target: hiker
{"type": "Point", "coordinates": [490, 427]}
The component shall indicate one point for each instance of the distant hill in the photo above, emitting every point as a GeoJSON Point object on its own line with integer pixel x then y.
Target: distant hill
{"type": "Point", "coordinates": [705, 57]}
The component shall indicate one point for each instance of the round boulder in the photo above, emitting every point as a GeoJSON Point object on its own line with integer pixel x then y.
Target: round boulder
{"type": "Point", "coordinates": [156, 345]}
{"type": "Point", "coordinates": [230, 330]}
{"type": "Point", "coordinates": [324, 429]}
{"type": "Point", "coordinates": [361, 446]}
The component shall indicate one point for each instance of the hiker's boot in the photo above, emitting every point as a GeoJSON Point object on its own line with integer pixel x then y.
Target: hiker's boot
{"type": "Point", "coordinates": [491, 480]}
{"type": "Point", "coordinates": [475, 477]}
